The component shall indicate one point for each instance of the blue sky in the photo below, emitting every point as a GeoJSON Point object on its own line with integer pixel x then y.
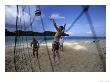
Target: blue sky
{"type": "Point", "coordinates": [62, 14]}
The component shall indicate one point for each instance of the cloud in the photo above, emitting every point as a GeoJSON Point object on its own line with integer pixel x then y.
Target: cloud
{"type": "Point", "coordinates": [89, 32]}
{"type": "Point", "coordinates": [57, 16]}
{"type": "Point", "coordinates": [70, 33]}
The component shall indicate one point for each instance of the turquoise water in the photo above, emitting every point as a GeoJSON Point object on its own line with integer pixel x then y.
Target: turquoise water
{"type": "Point", "coordinates": [9, 40]}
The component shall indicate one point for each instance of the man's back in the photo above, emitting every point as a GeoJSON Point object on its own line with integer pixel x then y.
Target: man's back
{"type": "Point", "coordinates": [58, 35]}
{"type": "Point", "coordinates": [34, 43]}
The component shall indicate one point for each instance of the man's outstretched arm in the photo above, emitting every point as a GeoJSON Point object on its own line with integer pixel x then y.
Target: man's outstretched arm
{"type": "Point", "coordinates": [64, 26]}
{"type": "Point", "coordinates": [54, 23]}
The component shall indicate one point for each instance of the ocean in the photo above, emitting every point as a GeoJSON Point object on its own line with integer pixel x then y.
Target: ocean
{"type": "Point", "coordinates": [9, 40]}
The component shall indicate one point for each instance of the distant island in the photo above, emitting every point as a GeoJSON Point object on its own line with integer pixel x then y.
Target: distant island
{"type": "Point", "coordinates": [31, 33]}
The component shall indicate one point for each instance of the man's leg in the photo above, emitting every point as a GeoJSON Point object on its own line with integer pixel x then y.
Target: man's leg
{"type": "Point", "coordinates": [53, 50]}
{"type": "Point", "coordinates": [54, 56]}
{"type": "Point", "coordinates": [34, 52]}
{"type": "Point", "coordinates": [62, 47]}
{"type": "Point", "coordinates": [37, 53]}
{"type": "Point", "coordinates": [58, 55]}
{"type": "Point", "coordinates": [52, 47]}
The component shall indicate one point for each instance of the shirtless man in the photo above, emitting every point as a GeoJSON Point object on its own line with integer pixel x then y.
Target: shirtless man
{"type": "Point", "coordinates": [55, 44]}
{"type": "Point", "coordinates": [35, 46]}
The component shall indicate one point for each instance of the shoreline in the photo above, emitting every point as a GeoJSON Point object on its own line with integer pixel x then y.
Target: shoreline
{"type": "Point", "coordinates": [50, 41]}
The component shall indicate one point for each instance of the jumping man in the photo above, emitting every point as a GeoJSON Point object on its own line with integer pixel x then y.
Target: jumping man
{"type": "Point", "coordinates": [55, 44]}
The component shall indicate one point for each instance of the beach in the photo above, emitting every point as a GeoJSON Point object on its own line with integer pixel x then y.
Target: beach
{"type": "Point", "coordinates": [78, 56]}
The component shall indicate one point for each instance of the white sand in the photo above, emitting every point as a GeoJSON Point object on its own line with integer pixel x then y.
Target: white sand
{"type": "Point", "coordinates": [78, 56]}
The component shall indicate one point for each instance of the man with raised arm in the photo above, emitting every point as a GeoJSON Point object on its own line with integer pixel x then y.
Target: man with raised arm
{"type": "Point", "coordinates": [55, 44]}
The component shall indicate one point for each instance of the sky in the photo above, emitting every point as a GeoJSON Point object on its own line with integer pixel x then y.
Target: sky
{"type": "Point", "coordinates": [62, 14]}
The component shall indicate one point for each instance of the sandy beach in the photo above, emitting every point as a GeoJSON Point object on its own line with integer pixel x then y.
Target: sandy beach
{"type": "Point", "coordinates": [78, 56]}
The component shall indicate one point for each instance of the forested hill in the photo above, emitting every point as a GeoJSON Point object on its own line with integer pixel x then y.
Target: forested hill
{"type": "Point", "coordinates": [30, 33]}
